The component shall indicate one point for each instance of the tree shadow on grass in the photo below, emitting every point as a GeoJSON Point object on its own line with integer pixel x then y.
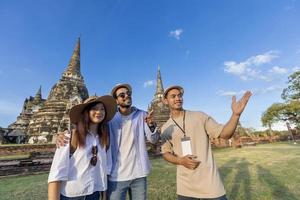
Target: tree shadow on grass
{"type": "Point", "coordinates": [227, 167]}
{"type": "Point", "coordinates": [241, 182]}
{"type": "Point", "coordinates": [279, 191]}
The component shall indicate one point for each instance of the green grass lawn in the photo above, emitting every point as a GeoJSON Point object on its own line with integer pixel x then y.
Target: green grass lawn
{"type": "Point", "coordinates": [263, 172]}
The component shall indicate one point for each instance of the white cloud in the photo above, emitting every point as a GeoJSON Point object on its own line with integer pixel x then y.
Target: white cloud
{"type": "Point", "coordinates": [245, 70]}
{"type": "Point", "coordinates": [278, 70]}
{"type": "Point", "coordinates": [176, 33]}
{"type": "Point", "coordinates": [149, 83]}
{"type": "Point", "coordinates": [254, 91]}
{"type": "Point", "coordinates": [294, 69]}
{"type": "Point", "coordinates": [268, 89]}
{"type": "Point", "coordinates": [235, 68]}
{"type": "Point", "coordinates": [279, 126]}
{"type": "Point", "coordinates": [263, 58]}
{"type": "Point", "coordinates": [230, 93]}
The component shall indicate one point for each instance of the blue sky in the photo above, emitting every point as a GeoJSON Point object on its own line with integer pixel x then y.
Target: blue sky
{"type": "Point", "coordinates": [214, 49]}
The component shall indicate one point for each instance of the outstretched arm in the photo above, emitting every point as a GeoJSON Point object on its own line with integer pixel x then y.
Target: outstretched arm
{"type": "Point", "coordinates": [237, 109]}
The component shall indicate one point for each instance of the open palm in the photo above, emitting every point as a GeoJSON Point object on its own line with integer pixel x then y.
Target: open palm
{"type": "Point", "coordinates": [239, 106]}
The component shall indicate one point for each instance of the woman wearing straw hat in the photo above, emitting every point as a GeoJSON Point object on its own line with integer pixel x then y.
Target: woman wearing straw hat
{"type": "Point", "coordinates": [78, 169]}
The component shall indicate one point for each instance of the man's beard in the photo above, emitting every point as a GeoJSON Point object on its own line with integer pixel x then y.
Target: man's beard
{"type": "Point", "coordinates": [125, 106]}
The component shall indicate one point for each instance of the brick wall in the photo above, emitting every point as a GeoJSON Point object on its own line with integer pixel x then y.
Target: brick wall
{"type": "Point", "coordinates": [26, 149]}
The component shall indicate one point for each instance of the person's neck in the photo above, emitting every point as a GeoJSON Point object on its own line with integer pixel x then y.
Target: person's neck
{"type": "Point", "coordinates": [177, 113]}
{"type": "Point", "coordinates": [93, 128]}
{"type": "Point", "coordinates": [125, 110]}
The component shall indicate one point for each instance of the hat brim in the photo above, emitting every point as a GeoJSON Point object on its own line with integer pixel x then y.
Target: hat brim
{"type": "Point", "coordinates": [108, 101]}
{"type": "Point", "coordinates": [125, 85]}
{"type": "Point", "coordinates": [173, 87]}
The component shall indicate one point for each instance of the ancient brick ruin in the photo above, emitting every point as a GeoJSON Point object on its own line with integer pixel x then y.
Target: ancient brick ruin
{"type": "Point", "coordinates": [40, 119]}
{"type": "Point", "coordinates": [161, 112]}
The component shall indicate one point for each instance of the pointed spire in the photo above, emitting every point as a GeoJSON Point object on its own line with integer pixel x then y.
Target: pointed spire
{"type": "Point", "coordinates": [24, 106]}
{"type": "Point", "coordinates": [73, 69]}
{"type": "Point", "coordinates": [38, 96]}
{"type": "Point", "coordinates": [159, 85]}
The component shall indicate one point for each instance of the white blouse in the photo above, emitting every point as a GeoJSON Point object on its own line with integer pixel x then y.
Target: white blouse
{"type": "Point", "coordinates": [78, 177]}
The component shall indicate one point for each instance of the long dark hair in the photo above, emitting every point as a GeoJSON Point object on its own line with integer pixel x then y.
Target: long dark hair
{"type": "Point", "coordinates": [82, 128]}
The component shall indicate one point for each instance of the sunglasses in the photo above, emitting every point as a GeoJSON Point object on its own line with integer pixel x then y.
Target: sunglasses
{"type": "Point", "coordinates": [94, 157]}
{"type": "Point", "coordinates": [123, 94]}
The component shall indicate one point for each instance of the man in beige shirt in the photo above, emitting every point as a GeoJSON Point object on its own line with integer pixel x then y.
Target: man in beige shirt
{"type": "Point", "coordinates": [186, 144]}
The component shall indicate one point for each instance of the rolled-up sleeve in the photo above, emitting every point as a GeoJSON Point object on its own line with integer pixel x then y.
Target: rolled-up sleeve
{"type": "Point", "coordinates": [212, 127]}
{"type": "Point", "coordinates": [166, 147]}
{"type": "Point", "coordinates": [166, 138]}
{"type": "Point", "coordinates": [60, 165]}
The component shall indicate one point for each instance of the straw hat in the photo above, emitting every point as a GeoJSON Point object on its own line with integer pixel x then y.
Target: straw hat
{"type": "Point", "coordinates": [173, 87]}
{"type": "Point", "coordinates": [108, 101]}
{"type": "Point", "coordinates": [124, 85]}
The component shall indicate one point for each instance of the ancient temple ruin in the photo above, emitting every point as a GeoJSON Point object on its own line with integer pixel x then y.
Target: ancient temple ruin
{"type": "Point", "coordinates": [161, 112]}
{"type": "Point", "coordinates": [42, 118]}
{"type": "Point", "coordinates": [30, 106]}
{"type": "Point", "coordinates": [68, 91]}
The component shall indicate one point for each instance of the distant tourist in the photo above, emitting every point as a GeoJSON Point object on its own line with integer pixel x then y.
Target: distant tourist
{"type": "Point", "coordinates": [79, 168]}
{"type": "Point", "coordinates": [128, 163]}
{"type": "Point", "coordinates": [186, 144]}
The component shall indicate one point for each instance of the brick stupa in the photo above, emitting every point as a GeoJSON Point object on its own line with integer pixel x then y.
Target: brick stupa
{"type": "Point", "coordinates": [161, 112]}
{"type": "Point", "coordinates": [68, 91]}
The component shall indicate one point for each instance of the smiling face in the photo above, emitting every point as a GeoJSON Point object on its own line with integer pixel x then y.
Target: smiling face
{"type": "Point", "coordinates": [174, 99]}
{"type": "Point", "coordinates": [97, 113]}
{"type": "Point", "coordinates": [123, 97]}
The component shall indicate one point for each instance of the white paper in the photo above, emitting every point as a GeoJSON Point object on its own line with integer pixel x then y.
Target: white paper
{"type": "Point", "coordinates": [186, 147]}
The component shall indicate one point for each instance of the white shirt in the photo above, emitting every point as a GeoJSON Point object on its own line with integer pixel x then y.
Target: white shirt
{"type": "Point", "coordinates": [78, 177]}
{"type": "Point", "coordinates": [128, 163]}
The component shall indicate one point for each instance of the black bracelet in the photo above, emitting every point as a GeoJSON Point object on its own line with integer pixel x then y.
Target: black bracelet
{"type": "Point", "coordinates": [152, 127]}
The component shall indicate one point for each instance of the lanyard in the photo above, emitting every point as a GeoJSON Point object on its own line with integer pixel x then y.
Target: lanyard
{"type": "Point", "coordinates": [182, 129]}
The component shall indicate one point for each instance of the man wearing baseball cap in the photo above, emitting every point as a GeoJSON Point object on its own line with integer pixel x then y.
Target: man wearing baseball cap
{"type": "Point", "coordinates": [186, 144]}
{"type": "Point", "coordinates": [128, 162]}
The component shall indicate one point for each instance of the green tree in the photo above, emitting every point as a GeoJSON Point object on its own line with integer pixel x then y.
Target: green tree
{"type": "Point", "coordinates": [288, 111]}
{"type": "Point", "coordinates": [291, 112]}
{"type": "Point", "coordinates": [292, 92]}
{"type": "Point", "coordinates": [282, 112]}
{"type": "Point", "coordinates": [272, 114]}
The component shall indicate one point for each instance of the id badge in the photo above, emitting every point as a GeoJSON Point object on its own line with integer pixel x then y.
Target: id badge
{"type": "Point", "coordinates": [186, 146]}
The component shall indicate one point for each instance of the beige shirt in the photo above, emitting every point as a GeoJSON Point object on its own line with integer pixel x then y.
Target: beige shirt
{"type": "Point", "coordinates": [204, 181]}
